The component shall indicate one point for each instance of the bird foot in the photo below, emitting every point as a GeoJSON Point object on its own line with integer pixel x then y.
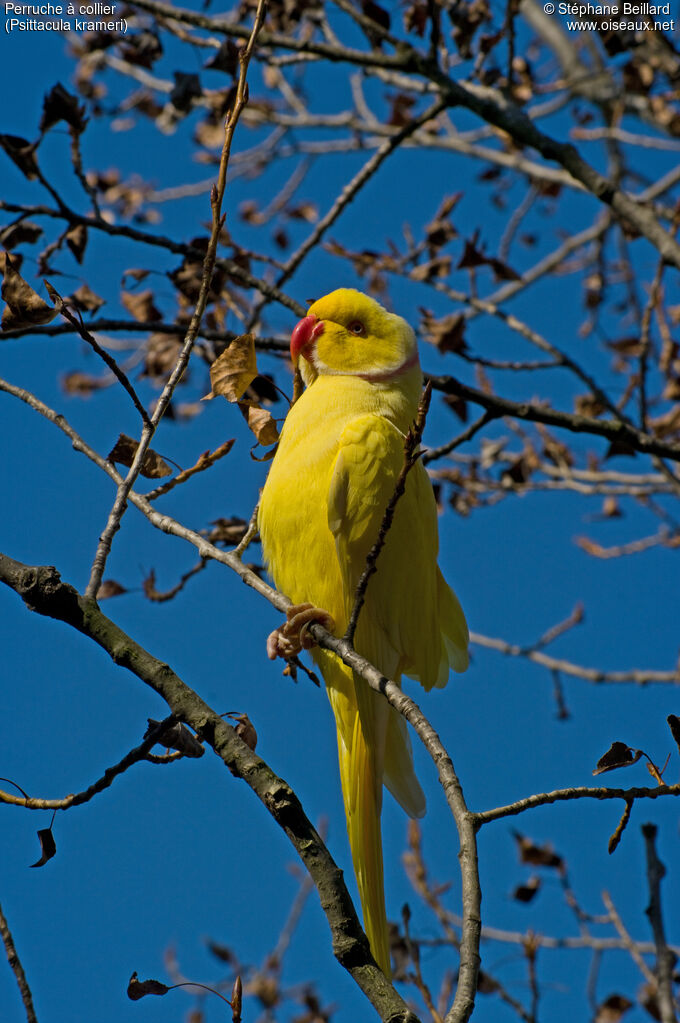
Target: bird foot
{"type": "Point", "coordinates": [292, 637]}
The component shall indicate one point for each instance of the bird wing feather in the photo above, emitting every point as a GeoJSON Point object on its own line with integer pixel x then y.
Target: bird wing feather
{"type": "Point", "coordinates": [408, 603]}
{"type": "Point", "coordinates": [400, 627]}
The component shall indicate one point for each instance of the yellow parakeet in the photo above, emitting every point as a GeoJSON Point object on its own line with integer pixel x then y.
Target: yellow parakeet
{"type": "Point", "coordinates": [339, 456]}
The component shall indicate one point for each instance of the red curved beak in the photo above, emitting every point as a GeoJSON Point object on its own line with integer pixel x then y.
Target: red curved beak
{"type": "Point", "coordinates": [304, 333]}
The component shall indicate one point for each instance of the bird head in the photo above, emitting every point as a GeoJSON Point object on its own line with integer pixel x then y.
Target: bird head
{"type": "Point", "coordinates": [346, 333]}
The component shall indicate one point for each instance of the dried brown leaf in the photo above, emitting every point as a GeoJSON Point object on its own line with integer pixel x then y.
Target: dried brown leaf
{"type": "Point", "coordinates": [142, 48]}
{"type": "Point", "coordinates": [674, 725]}
{"type": "Point", "coordinates": [161, 354]}
{"type": "Point", "coordinates": [136, 274]}
{"type": "Point", "coordinates": [671, 391]}
{"type": "Point", "coordinates": [249, 212]}
{"type": "Point", "coordinates": [667, 424]}
{"type": "Point", "coordinates": [611, 508]}
{"type": "Point", "coordinates": [16, 258]}
{"type": "Point", "coordinates": [48, 847]}
{"type": "Point", "coordinates": [588, 405]}
{"type": "Point", "coordinates": [471, 256]}
{"type": "Point", "coordinates": [538, 855]}
{"type": "Point", "coordinates": [619, 447]}
{"type": "Point", "coordinates": [416, 17]}
{"type": "Point", "coordinates": [447, 333]}
{"type": "Point", "coordinates": [141, 306]}
{"type": "Point", "coordinates": [149, 587]}
{"type": "Point", "coordinates": [612, 1009]}
{"type": "Point", "coordinates": [61, 105]}
{"type": "Point", "coordinates": [186, 89]}
{"type": "Point", "coordinates": [261, 422]}
{"type": "Point", "coordinates": [228, 531]}
{"type": "Point", "coordinates": [457, 405]}
{"type": "Point", "coordinates": [648, 997]}
{"type": "Point", "coordinates": [528, 891]}
{"type": "Point", "coordinates": [486, 984]}
{"type": "Point", "coordinates": [244, 728]}
{"type": "Point", "coordinates": [400, 114]}
{"type": "Point", "coordinates": [306, 210]}
{"type": "Point", "coordinates": [225, 59]}
{"type": "Point", "coordinates": [234, 370]}
{"type": "Point", "coordinates": [176, 737]}
{"type": "Point", "coordinates": [503, 272]}
{"type": "Point", "coordinates": [19, 233]}
{"type": "Point", "coordinates": [110, 588]}
{"type": "Point", "coordinates": [440, 266]}
{"type": "Point", "coordinates": [281, 238]}
{"type": "Point", "coordinates": [76, 239]}
{"type": "Point", "coordinates": [518, 471]}
{"type": "Point", "coordinates": [24, 306]}
{"type": "Point", "coordinates": [139, 988]}
{"type": "Point", "coordinates": [86, 299]}
{"type": "Point", "coordinates": [221, 952]}
{"type": "Point", "coordinates": [124, 450]}
{"type": "Point", "coordinates": [22, 152]}
{"type": "Point", "coordinates": [263, 390]}
{"type": "Point", "coordinates": [618, 755]}
{"type": "Point", "coordinates": [82, 384]}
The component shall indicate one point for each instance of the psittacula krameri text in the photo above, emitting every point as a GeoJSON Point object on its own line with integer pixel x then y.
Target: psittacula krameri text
{"type": "Point", "coordinates": [340, 453]}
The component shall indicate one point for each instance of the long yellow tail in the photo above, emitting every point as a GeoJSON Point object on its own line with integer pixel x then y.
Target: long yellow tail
{"type": "Point", "coordinates": [361, 718]}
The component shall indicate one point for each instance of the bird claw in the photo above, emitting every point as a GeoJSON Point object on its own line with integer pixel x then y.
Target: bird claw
{"type": "Point", "coordinates": [289, 639]}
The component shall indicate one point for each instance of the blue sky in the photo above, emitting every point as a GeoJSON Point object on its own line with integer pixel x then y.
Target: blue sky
{"type": "Point", "coordinates": [171, 856]}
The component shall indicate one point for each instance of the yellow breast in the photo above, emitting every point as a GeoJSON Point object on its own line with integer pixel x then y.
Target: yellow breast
{"type": "Point", "coordinates": [297, 544]}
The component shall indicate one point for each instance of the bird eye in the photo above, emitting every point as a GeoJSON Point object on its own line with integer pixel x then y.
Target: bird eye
{"type": "Point", "coordinates": [356, 327]}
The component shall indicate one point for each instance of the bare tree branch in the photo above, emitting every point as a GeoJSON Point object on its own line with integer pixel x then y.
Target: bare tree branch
{"type": "Point", "coordinates": [17, 969]}
{"type": "Point", "coordinates": [42, 591]}
{"type": "Point", "coordinates": [664, 957]}
{"type": "Point", "coordinates": [140, 752]}
{"type": "Point", "coordinates": [118, 509]}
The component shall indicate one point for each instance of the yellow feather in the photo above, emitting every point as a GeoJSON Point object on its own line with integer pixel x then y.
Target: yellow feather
{"type": "Point", "coordinates": [339, 456]}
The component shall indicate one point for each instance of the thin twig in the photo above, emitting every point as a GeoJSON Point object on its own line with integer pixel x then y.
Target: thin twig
{"type": "Point", "coordinates": [627, 941]}
{"type": "Point", "coordinates": [140, 752]}
{"type": "Point", "coordinates": [411, 456]}
{"type": "Point", "coordinates": [416, 977]}
{"type": "Point", "coordinates": [445, 449]}
{"type": "Point", "coordinates": [662, 538]}
{"type": "Point", "coordinates": [80, 327]}
{"type": "Point", "coordinates": [217, 195]}
{"type": "Point", "coordinates": [249, 534]}
{"type": "Point", "coordinates": [565, 795]}
{"type": "Point", "coordinates": [162, 596]}
{"type": "Point", "coordinates": [17, 969]}
{"type": "Point", "coordinates": [638, 676]}
{"type": "Point", "coordinates": [205, 460]}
